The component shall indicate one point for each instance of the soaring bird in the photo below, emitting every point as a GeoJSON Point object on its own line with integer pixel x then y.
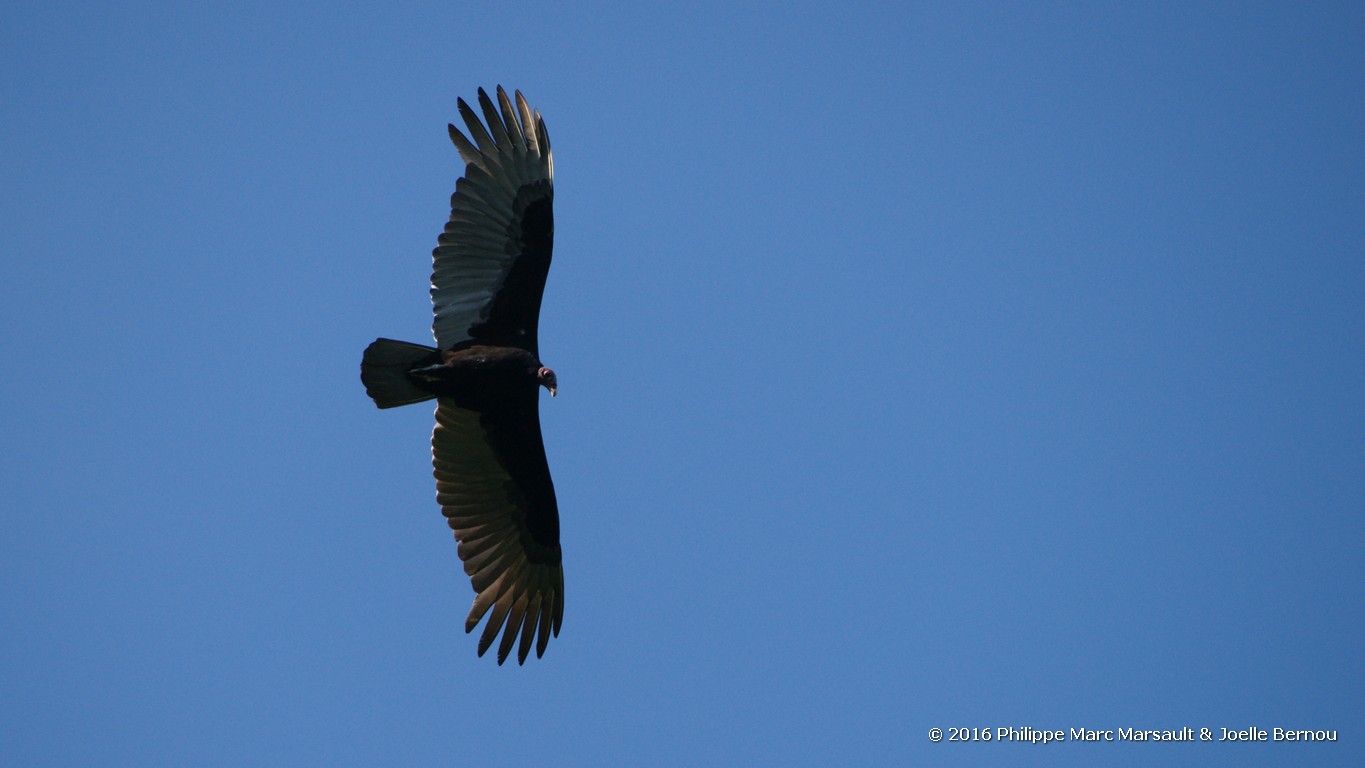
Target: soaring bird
{"type": "Point", "coordinates": [492, 481]}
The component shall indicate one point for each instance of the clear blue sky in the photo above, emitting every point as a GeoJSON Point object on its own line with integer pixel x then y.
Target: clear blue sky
{"type": "Point", "coordinates": [920, 366]}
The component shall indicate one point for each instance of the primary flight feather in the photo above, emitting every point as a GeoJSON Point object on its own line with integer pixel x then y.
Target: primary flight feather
{"type": "Point", "coordinates": [488, 275]}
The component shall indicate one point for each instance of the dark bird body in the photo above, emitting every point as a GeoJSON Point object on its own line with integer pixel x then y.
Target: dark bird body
{"type": "Point", "coordinates": [492, 480]}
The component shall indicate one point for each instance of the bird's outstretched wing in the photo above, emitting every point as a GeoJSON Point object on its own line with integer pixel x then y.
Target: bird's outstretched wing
{"type": "Point", "coordinates": [494, 487]}
{"type": "Point", "coordinates": [489, 267]}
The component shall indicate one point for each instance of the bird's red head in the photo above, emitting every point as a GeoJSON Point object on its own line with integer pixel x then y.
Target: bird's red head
{"type": "Point", "coordinates": [546, 378]}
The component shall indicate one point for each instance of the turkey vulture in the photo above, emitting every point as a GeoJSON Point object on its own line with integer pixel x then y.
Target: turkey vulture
{"type": "Point", "coordinates": [488, 274]}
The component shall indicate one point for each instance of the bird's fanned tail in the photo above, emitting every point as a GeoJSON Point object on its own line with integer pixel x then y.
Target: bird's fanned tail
{"type": "Point", "coordinates": [384, 372]}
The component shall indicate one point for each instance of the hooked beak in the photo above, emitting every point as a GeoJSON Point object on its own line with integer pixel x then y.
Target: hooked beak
{"type": "Point", "coordinates": [552, 391]}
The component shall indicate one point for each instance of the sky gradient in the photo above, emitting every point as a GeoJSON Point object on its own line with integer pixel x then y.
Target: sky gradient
{"type": "Point", "coordinates": [930, 365]}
